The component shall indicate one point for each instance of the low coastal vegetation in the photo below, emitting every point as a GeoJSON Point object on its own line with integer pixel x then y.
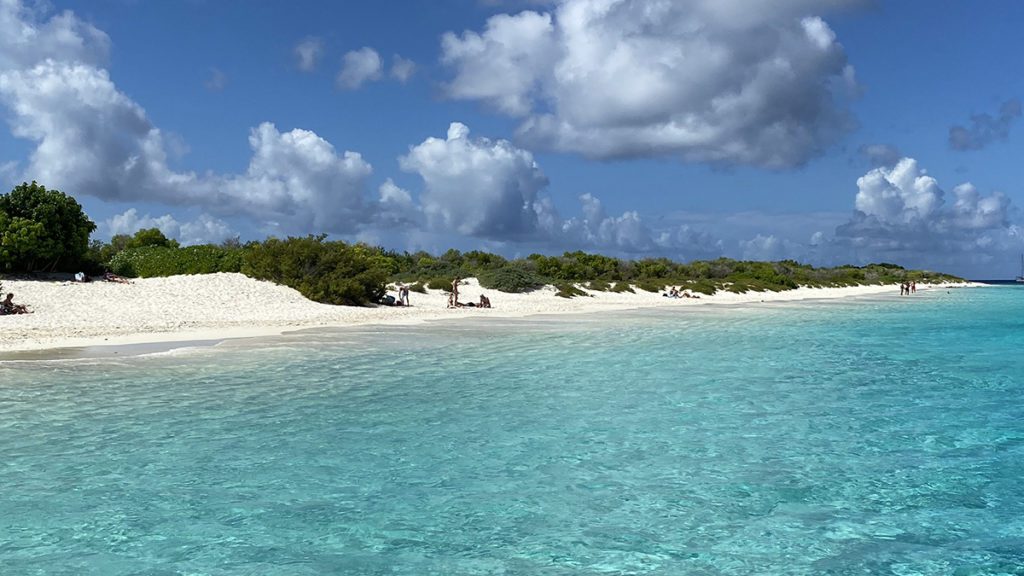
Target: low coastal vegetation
{"type": "Point", "coordinates": [47, 231]}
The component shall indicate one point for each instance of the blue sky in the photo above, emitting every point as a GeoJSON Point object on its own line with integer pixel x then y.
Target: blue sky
{"type": "Point", "coordinates": [826, 131]}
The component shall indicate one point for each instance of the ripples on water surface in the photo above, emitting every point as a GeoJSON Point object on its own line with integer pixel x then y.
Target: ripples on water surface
{"type": "Point", "coordinates": [880, 437]}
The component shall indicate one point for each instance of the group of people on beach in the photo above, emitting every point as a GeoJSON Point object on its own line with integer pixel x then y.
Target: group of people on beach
{"type": "Point", "coordinates": [908, 288]}
{"type": "Point", "coordinates": [453, 298]}
{"type": "Point", "coordinates": [402, 300]}
{"type": "Point", "coordinates": [677, 293]}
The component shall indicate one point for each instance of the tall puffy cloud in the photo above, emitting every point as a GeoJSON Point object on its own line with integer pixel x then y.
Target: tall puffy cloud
{"type": "Point", "coordinates": [718, 81]}
{"type": "Point", "coordinates": [902, 214]}
{"type": "Point", "coordinates": [476, 186]}
{"type": "Point", "coordinates": [90, 137]}
{"type": "Point", "coordinates": [900, 195]}
{"type": "Point", "coordinates": [299, 181]}
{"type": "Point", "coordinates": [985, 129]}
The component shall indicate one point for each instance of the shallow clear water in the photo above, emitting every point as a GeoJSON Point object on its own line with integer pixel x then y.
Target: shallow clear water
{"type": "Point", "coordinates": [877, 437]}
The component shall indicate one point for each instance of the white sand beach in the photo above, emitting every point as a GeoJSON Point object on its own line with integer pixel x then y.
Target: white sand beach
{"type": "Point", "coordinates": [222, 306]}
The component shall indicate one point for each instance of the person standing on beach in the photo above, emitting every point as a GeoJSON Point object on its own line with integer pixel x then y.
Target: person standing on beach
{"type": "Point", "coordinates": [455, 290]}
{"type": "Point", "coordinates": [403, 294]}
{"type": "Point", "coordinates": [913, 287]}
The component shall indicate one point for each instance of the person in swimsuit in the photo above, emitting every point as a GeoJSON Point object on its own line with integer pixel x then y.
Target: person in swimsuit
{"type": "Point", "coordinates": [9, 307]}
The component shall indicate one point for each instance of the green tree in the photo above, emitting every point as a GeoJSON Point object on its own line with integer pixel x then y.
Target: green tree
{"type": "Point", "coordinates": [150, 237]}
{"type": "Point", "coordinates": [329, 272]}
{"type": "Point", "coordinates": [42, 230]}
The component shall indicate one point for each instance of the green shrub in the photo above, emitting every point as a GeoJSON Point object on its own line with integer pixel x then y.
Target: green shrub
{"type": "Point", "coordinates": [599, 285]}
{"type": "Point", "coordinates": [651, 285]}
{"type": "Point", "coordinates": [328, 272]}
{"type": "Point", "coordinates": [440, 284]}
{"type": "Point", "coordinates": [743, 287]}
{"type": "Point", "coordinates": [703, 286]}
{"type": "Point", "coordinates": [510, 279]}
{"type": "Point", "coordinates": [153, 261]}
{"type": "Point", "coordinates": [418, 287]}
{"type": "Point", "coordinates": [568, 291]}
{"type": "Point", "coordinates": [622, 287]}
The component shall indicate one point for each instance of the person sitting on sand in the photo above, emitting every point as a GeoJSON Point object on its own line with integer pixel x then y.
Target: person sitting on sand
{"type": "Point", "coordinates": [111, 277]}
{"type": "Point", "coordinates": [9, 307]}
{"type": "Point", "coordinates": [485, 302]}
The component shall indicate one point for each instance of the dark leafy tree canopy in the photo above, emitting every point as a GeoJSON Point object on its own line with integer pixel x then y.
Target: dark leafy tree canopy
{"type": "Point", "coordinates": [42, 229]}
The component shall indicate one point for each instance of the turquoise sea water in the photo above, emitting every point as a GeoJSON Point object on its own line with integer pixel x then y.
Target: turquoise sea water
{"type": "Point", "coordinates": [882, 436]}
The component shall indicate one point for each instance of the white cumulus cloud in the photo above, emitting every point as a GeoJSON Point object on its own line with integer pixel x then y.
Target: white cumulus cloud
{"type": "Point", "coordinates": [477, 186]}
{"type": "Point", "coordinates": [359, 67]}
{"type": "Point", "coordinates": [402, 69]}
{"type": "Point", "coordinates": [900, 194]}
{"type": "Point", "coordinates": [205, 229]}
{"type": "Point", "coordinates": [90, 138]}
{"type": "Point", "coordinates": [718, 81]}
{"type": "Point", "coordinates": [627, 233]}
{"type": "Point", "coordinates": [26, 38]}
{"type": "Point", "coordinates": [902, 215]}
{"type": "Point", "coordinates": [494, 191]}
{"type": "Point", "coordinates": [298, 179]}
